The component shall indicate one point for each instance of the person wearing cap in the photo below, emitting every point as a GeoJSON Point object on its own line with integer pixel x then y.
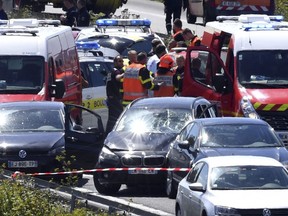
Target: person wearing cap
{"type": "Point", "coordinates": [166, 76]}
{"type": "Point", "coordinates": [154, 44]}
{"type": "Point", "coordinates": [152, 64]}
{"type": "Point", "coordinates": [114, 94]}
{"type": "Point", "coordinates": [137, 80]}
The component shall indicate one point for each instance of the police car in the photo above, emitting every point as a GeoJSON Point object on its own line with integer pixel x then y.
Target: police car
{"type": "Point", "coordinates": [121, 34]}
{"type": "Point", "coordinates": [95, 63]}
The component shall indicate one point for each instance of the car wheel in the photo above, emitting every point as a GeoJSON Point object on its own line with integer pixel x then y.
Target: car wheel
{"type": "Point", "coordinates": [170, 186]}
{"type": "Point", "coordinates": [190, 18]}
{"type": "Point", "coordinates": [106, 188]}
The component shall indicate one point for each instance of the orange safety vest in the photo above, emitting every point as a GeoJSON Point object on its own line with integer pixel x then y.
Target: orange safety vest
{"type": "Point", "coordinates": [132, 86]}
{"type": "Point", "coordinates": [166, 90]}
{"type": "Point", "coordinates": [194, 41]}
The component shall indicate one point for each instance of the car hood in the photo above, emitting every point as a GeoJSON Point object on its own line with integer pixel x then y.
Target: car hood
{"type": "Point", "coordinates": [248, 199]}
{"type": "Point", "coordinates": [147, 141]}
{"type": "Point", "coordinates": [266, 96]}
{"type": "Point", "coordinates": [278, 153]}
{"type": "Point", "coordinates": [31, 141]}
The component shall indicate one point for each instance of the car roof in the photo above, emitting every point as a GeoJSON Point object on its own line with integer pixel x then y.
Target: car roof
{"type": "Point", "coordinates": [167, 102]}
{"type": "Point", "coordinates": [244, 160]}
{"type": "Point", "coordinates": [33, 104]}
{"type": "Point", "coordinates": [229, 120]}
{"type": "Point", "coordinates": [88, 56]}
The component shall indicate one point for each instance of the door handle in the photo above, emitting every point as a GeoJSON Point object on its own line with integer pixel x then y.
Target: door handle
{"type": "Point", "coordinates": [72, 139]}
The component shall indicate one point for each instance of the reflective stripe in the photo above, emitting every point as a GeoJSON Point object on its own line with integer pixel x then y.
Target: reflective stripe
{"type": "Point", "coordinates": [141, 94]}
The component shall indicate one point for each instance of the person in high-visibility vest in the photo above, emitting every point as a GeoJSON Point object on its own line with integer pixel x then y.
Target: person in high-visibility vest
{"type": "Point", "coordinates": [191, 37]}
{"type": "Point", "coordinates": [137, 80]}
{"type": "Point", "coordinates": [166, 75]}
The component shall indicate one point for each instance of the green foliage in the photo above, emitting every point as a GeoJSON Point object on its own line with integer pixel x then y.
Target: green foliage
{"type": "Point", "coordinates": [20, 198]}
{"type": "Point", "coordinates": [282, 8]}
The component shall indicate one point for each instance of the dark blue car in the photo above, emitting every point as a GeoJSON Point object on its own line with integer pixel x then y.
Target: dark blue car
{"type": "Point", "coordinates": [219, 137]}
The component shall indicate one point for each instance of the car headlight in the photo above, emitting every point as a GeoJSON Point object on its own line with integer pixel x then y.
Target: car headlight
{"type": "Point", "coordinates": [107, 155]}
{"type": "Point", "coordinates": [56, 151]}
{"type": "Point", "coordinates": [248, 109]}
{"type": "Point", "coordinates": [225, 211]}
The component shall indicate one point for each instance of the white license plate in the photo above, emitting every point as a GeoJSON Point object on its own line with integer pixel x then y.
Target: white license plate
{"type": "Point", "coordinates": [230, 3]}
{"type": "Point", "coordinates": [145, 172]}
{"type": "Point", "coordinates": [22, 164]}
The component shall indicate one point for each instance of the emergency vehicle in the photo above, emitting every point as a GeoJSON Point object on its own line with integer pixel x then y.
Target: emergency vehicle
{"type": "Point", "coordinates": [38, 61]}
{"type": "Point", "coordinates": [209, 9]}
{"type": "Point", "coordinates": [95, 63]}
{"type": "Point", "coordinates": [244, 63]}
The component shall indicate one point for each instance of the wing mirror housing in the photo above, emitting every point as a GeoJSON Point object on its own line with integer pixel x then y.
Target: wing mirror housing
{"type": "Point", "coordinates": [57, 89]}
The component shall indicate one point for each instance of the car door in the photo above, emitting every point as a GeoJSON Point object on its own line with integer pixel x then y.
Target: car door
{"type": "Point", "coordinates": [194, 198]}
{"type": "Point", "coordinates": [189, 203]}
{"type": "Point", "coordinates": [84, 137]}
{"type": "Point", "coordinates": [217, 86]}
{"type": "Point", "coordinates": [185, 155]}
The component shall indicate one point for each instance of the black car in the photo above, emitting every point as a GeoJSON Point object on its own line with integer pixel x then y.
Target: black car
{"type": "Point", "coordinates": [220, 137]}
{"type": "Point", "coordinates": [33, 134]}
{"type": "Point", "coordinates": [141, 139]}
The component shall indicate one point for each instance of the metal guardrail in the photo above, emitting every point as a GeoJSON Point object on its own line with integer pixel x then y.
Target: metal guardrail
{"type": "Point", "coordinates": [91, 200]}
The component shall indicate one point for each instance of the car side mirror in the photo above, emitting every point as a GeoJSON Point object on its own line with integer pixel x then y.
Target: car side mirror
{"type": "Point", "coordinates": [219, 83]}
{"type": "Point", "coordinates": [57, 89]}
{"type": "Point", "coordinates": [197, 187]}
{"type": "Point", "coordinates": [184, 144]}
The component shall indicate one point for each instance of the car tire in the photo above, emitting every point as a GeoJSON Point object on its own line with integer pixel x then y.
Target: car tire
{"type": "Point", "coordinates": [106, 188]}
{"type": "Point", "coordinates": [190, 18]}
{"type": "Point", "coordinates": [171, 190]}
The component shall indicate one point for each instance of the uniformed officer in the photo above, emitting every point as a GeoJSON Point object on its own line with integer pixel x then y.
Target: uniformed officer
{"type": "Point", "coordinates": [83, 14]}
{"type": "Point", "coordinates": [114, 96]}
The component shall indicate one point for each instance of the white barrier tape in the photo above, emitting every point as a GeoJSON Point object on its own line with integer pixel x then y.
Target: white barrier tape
{"type": "Point", "coordinates": [15, 174]}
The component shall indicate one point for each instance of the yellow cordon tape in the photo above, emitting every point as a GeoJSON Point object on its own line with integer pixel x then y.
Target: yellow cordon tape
{"type": "Point", "coordinates": [17, 173]}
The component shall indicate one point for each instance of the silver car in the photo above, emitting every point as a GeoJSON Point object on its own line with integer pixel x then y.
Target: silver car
{"type": "Point", "coordinates": [234, 186]}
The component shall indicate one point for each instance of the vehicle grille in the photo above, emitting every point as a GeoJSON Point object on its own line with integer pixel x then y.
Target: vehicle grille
{"type": "Point", "coordinates": [154, 160]}
{"type": "Point", "coordinates": [131, 161]}
{"type": "Point", "coordinates": [146, 161]}
{"type": "Point", "coordinates": [277, 120]}
{"type": "Point", "coordinates": [260, 212]}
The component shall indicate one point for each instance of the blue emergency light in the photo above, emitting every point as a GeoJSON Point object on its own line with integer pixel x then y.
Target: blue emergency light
{"type": "Point", "coordinates": [87, 45]}
{"type": "Point", "coordinates": [123, 22]}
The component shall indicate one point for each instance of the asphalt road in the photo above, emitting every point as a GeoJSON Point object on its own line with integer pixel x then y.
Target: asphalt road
{"type": "Point", "coordinates": [151, 197]}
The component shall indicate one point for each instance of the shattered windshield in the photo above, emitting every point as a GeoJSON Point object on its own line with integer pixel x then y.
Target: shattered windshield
{"type": "Point", "coordinates": [264, 69]}
{"type": "Point", "coordinates": [31, 119]}
{"type": "Point", "coordinates": [154, 120]}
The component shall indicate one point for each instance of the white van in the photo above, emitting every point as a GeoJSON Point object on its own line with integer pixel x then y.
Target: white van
{"type": "Point", "coordinates": [38, 61]}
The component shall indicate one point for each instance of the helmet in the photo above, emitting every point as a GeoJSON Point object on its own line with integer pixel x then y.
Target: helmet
{"type": "Point", "coordinates": [166, 61]}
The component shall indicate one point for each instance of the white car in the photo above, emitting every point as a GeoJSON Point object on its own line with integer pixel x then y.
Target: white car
{"type": "Point", "coordinates": [234, 186]}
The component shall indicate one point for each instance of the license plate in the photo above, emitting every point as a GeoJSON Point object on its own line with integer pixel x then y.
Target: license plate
{"type": "Point", "coordinates": [22, 164]}
{"type": "Point", "coordinates": [145, 172]}
{"type": "Point", "coordinates": [230, 3]}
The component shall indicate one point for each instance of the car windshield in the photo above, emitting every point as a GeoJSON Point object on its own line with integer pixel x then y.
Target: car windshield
{"type": "Point", "coordinates": [248, 177]}
{"type": "Point", "coordinates": [264, 69]}
{"type": "Point", "coordinates": [32, 119]}
{"type": "Point", "coordinates": [123, 44]}
{"type": "Point", "coordinates": [154, 120]}
{"type": "Point", "coordinates": [21, 74]}
{"type": "Point", "coordinates": [239, 136]}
